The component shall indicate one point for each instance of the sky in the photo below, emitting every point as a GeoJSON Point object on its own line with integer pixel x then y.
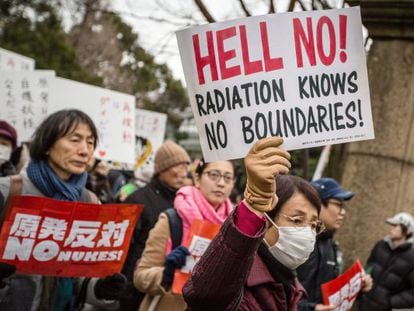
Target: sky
{"type": "Point", "coordinates": [156, 22]}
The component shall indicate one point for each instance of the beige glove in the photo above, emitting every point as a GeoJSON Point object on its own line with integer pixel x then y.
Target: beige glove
{"type": "Point", "coordinates": [263, 162]}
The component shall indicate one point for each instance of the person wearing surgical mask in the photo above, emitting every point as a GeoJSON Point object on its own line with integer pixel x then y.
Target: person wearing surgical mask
{"type": "Point", "coordinates": [250, 264]}
{"type": "Point", "coordinates": [8, 141]}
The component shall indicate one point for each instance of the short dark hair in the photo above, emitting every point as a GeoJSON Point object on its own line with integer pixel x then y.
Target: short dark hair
{"type": "Point", "coordinates": [404, 231]}
{"type": "Point", "coordinates": [287, 186]}
{"type": "Point", "coordinates": [55, 126]}
{"type": "Point", "coordinates": [202, 165]}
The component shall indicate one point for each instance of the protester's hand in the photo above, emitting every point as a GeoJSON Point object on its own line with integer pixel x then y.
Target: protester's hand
{"type": "Point", "coordinates": [5, 271]}
{"type": "Point", "coordinates": [175, 259]}
{"type": "Point", "coordinates": [264, 161]}
{"type": "Point", "coordinates": [320, 307]}
{"type": "Point", "coordinates": [112, 287]}
{"type": "Point", "coordinates": [367, 283]}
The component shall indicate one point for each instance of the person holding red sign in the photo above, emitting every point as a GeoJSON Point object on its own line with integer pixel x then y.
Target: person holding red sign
{"type": "Point", "coordinates": [391, 264]}
{"type": "Point", "coordinates": [209, 201]}
{"type": "Point", "coordinates": [250, 265]}
{"type": "Point", "coordinates": [325, 262]}
{"type": "Point", "coordinates": [60, 150]}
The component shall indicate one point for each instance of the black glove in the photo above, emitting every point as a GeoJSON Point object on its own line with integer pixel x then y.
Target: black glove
{"type": "Point", "coordinates": [5, 271]}
{"type": "Point", "coordinates": [175, 259]}
{"type": "Point", "coordinates": [112, 287]}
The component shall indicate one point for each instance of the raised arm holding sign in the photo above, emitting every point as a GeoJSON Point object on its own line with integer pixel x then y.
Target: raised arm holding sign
{"type": "Point", "coordinates": [248, 260]}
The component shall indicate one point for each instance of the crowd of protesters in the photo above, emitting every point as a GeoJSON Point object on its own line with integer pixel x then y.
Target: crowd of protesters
{"type": "Point", "coordinates": [274, 249]}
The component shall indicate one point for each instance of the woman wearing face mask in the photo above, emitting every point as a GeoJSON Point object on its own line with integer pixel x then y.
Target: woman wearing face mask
{"type": "Point", "coordinates": [250, 266]}
{"type": "Point", "coordinates": [8, 140]}
{"type": "Point", "coordinates": [208, 200]}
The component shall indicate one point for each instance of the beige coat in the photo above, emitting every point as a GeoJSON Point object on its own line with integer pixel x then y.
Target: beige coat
{"type": "Point", "coordinates": [148, 273]}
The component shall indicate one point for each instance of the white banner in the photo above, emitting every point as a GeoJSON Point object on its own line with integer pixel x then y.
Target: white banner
{"type": "Point", "coordinates": [13, 61]}
{"type": "Point", "coordinates": [298, 75]}
{"type": "Point", "coordinates": [24, 99]}
{"type": "Point", "coordinates": [113, 113]}
{"type": "Point", "coordinates": [149, 136]}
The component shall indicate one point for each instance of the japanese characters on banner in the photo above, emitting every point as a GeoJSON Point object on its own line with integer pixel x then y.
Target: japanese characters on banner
{"type": "Point", "coordinates": [24, 98]}
{"type": "Point", "coordinates": [201, 234]}
{"type": "Point", "coordinates": [112, 112]}
{"type": "Point", "coordinates": [298, 75]}
{"type": "Point", "coordinates": [342, 291]}
{"type": "Point", "coordinates": [59, 238]}
{"type": "Point", "coordinates": [149, 136]}
{"type": "Point", "coordinates": [13, 61]}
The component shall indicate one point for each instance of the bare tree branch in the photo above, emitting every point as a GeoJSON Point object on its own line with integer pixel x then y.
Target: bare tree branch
{"type": "Point", "coordinates": [272, 8]}
{"type": "Point", "coordinates": [291, 5]}
{"type": "Point", "coordinates": [160, 47]}
{"type": "Point", "coordinates": [244, 8]}
{"type": "Point", "coordinates": [151, 18]}
{"type": "Point", "coordinates": [302, 5]}
{"type": "Point", "coordinates": [204, 11]}
{"type": "Point", "coordinates": [177, 13]}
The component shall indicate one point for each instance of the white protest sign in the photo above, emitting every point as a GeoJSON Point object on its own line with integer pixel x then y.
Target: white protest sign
{"type": "Point", "coordinates": [149, 136]}
{"type": "Point", "coordinates": [24, 99]}
{"type": "Point", "coordinates": [298, 75]}
{"type": "Point", "coordinates": [13, 61]}
{"type": "Point", "coordinates": [112, 112]}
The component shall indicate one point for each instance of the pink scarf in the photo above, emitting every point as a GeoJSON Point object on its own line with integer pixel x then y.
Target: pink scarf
{"type": "Point", "coordinates": [191, 204]}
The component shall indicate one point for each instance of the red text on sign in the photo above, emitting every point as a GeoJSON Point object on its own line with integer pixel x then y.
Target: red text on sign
{"type": "Point", "coordinates": [224, 71]}
{"type": "Point", "coordinates": [315, 45]}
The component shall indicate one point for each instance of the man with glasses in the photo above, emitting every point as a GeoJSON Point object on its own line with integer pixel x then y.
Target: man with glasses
{"type": "Point", "coordinates": [324, 264]}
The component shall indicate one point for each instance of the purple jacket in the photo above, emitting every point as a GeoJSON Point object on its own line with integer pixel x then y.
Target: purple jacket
{"type": "Point", "coordinates": [232, 275]}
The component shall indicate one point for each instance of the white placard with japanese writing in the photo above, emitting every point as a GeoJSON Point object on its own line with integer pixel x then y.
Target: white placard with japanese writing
{"type": "Point", "coordinates": [12, 61]}
{"type": "Point", "coordinates": [298, 75]}
{"type": "Point", "coordinates": [24, 99]}
{"type": "Point", "coordinates": [149, 133]}
{"type": "Point", "coordinates": [113, 113]}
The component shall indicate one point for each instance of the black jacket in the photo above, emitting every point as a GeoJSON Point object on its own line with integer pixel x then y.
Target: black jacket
{"type": "Point", "coordinates": [156, 198]}
{"type": "Point", "coordinates": [393, 275]}
{"type": "Point", "coordinates": [321, 267]}
{"type": "Point", "coordinates": [7, 169]}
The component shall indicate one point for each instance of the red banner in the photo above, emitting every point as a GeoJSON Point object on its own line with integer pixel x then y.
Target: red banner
{"type": "Point", "coordinates": [69, 239]}
{"type": "Point", "coordinates": [201, 234]}
{"type": "Point", "coordinates": [342, 291]}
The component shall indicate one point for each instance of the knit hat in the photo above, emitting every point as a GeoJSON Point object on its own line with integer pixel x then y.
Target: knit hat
{"type": "Point", "coordinates": [9, 132]}
{"type": "Point", "coordinates": [169, 155]}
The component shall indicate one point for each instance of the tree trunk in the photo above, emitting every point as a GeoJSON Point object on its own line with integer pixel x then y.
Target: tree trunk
{"type": "Point", "coordinates": [381, 171]}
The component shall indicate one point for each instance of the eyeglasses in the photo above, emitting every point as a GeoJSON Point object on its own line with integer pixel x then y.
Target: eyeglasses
{"type": "Point", "coordinates": [300, 223]}
{"type": "Point", "coordinates": [215, 175]}
{"type": "Point", "coordinates": [340, 204]}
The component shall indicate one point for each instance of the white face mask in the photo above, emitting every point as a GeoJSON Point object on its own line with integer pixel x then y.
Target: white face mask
{"type": "Point", "coordinates": [294, 245]}
{"type": "Point", "coordinates": [5, 153]}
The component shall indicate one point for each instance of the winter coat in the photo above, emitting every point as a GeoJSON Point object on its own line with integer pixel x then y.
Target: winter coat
{"type": "Point", "coordinates": [7, 169]}
{"type": "Point", "coordinates": [233, 275]}
{"type": "Point", "coordinates": [393, 275]}
{"type": "Point", "coordinates": [156, 198]}
{"type": "Point", "coordinates": [190, 204]}
{"type": "Point", "coordinates": [149, 272]}
{"type": "Point", "coordinates": [321, 267]}
{"type": "Point", "coordinates": [36, 292]}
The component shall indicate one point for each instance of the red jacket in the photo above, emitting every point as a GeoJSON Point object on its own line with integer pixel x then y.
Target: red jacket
{"type": "Point", "coordinates": [231, 275]}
